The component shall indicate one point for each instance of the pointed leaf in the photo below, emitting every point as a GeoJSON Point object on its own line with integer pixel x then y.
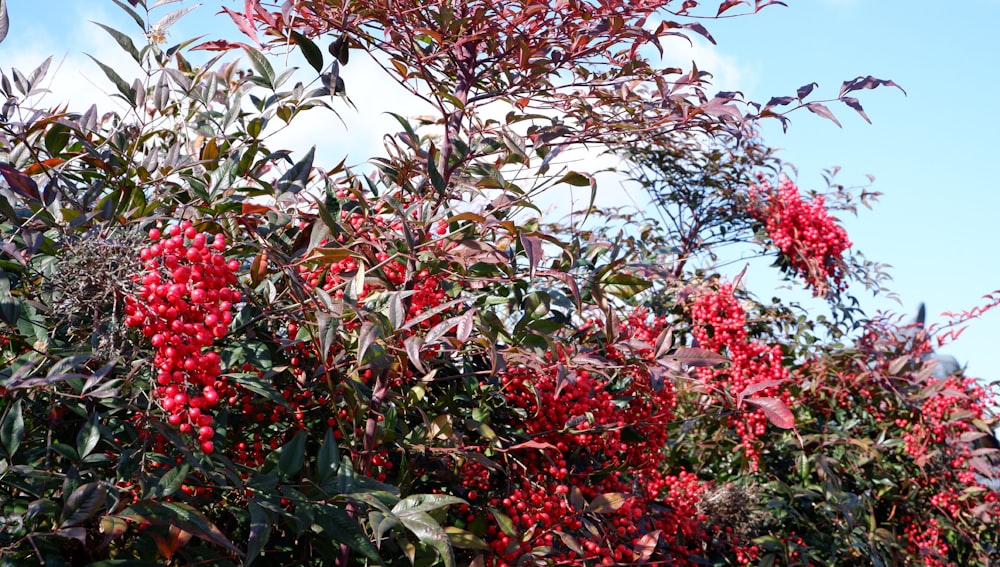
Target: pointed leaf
{"type": "Point", "coordinates": [12, 428]}
{"type": "Point", "coordinates": [775, 411]}
{"type": "Point", "coordinates": [312, 53]}
{"type": "Point", "coordinates": [123, 40]}
{"type": "Point", "coordinates": [4, 20]}
{"type": "Point", "coordinates": [292, 455]}
{"type": "Point", "coordinates": [83, 504]}
{"type": "Point", "coordinates": [698, 357]}
{"type": "Point", "coordinates": [420, 503]}
{"type": "Point", "coordinates": [608, 502]}
{"type": "Point", "coordinates": [260, 532]}
{"type": "Point", "coordinates": [328, 460]}
{"type": "Point", "coordinates": [429, 532]}
{"type": "Point", "coordinates": [88, 436]}
{"type": "Point", "coordinates": [181, 516]}
{"type": "Point", "coordinates": [754, 388]}
{"type": "Point", "coordinates": [341, 527]}
{"type": "Point", "coordinates": [823, 111]}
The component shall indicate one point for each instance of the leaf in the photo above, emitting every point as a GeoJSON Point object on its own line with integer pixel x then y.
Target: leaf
{"type": "Point", "coordinates": [4, 20]}
{"type": "Point", "coordinates": [853, 103]}
{"type": "Point", "coordinates": [727, 5]}
{"type": "Point", "coordinates": [420, 503]}
{"type": "Point", "coordinates": [698, 357]}
{"type": "Point", "coordinates": [312, 53]}
{"type": "Point", "coordinates": [83, 503]}
{"type": "Point", "coordinates": [868, 82]}
{"type": "Point", "coordinates": [12, 428]}
{"type": "Point", "coordinates": [328, 460]}
{"type": "Point", "coordinates": [123, 88]}
{"type": "Point", "coordinates": [88, 436]}
{"type": "Point", "coordinates": [624, 285]}
{"type": "Point", "coordinates": [339, 525]}
{"type": "Point", "coordinates": [608, 502]}
{"type": "Point", "coordinates": [260, 532]}
{"type": "Point", "coordinates": [261, 65]}
{"type": "Point", "coordinates": [297, 176]}
{"type": "Point", "coordinates": [429, 532]}
{"type": "Point", "coordinates": [823, 111]}
{"type": "Point", "coordinates": [803, 91]}
{"type": "Point", "coordinates": [171, 481]}
{"type": "Point", "coordinates": [123, 40]}
{"type": "Point", "coordinates": [775, 411]}
{"type": "Point", "coordinates": [754, 388]}
{"type": "Point", "coordinates": [465, 540]}
{"type": "Point", "coordinates": [577, 179]}
{"type": "Point", "coordinates": [21, 184]}
{"type": "Point", "coordinates": [292, 455]}
{"type": "Point", "coordinates": [181, 516]}
{"type": "Point", "coordinates": [164, 23]}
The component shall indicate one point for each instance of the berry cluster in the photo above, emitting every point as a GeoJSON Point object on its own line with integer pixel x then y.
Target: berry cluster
{"type": "Point", "coordinates": [810, 240]}
{"type": "Point", "coordinates": [590, 486]}
{"type": "Point", "coordinates": [184, 302]}
{"type": "Point", "coordinates": [719, 324]}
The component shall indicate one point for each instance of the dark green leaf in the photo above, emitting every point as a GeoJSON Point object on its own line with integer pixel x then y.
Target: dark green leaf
{"type": "Point", "coordinates": [83, 504]}
{"type": "Point", "coordinates": [182, 516]}
{"type": "Point", "coordinates": [292, 455]}
{"type": "Point", "coordinates": [312, 53]}
{"type": "Point", "coordinates": [123, 40]}
{"type": "Point", "coordinates": [260, 64]}
{"type": "Point", "coordinates": [429, 532]}
{"type": "Point", "coordinates": [120, 84]}
{"type": "Point", "coordinates": [339, 525]}
{"type": "Point", "coordinates": [328, 461]}
{"type": "Point", "coordinates": [88, 436]}
{"type": "Point", "coordinates": [419, 503]}
{"type": "Point", "coordinates": [260, 532]}
{"type": "Point", "coordinates": [12, 428]}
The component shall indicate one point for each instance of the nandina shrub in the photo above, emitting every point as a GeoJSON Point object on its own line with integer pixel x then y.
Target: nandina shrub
{"type": "Point", "coordinates": [405, 366]}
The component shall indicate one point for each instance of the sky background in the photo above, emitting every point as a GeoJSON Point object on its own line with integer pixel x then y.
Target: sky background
{"type": "Point", "coordinates": [933, 152]}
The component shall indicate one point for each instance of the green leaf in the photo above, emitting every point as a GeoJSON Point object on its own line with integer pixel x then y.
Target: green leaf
{"type": "Point", "coordinates": [135, 16]}
{"type": "Point", "coordinates": [312, 53]}
{"type": "Point", "coordinates": [12, 428]}
{"type": "Point", "coordinates": [182, 516]}
{"type": "Point", "coordinates": [429, 532]}
{"type": "Point", "coordinates": [624, 285]}
{"type": "Point", "coordinates": [608, 502]}
{"type": "Point", "coordinates": [420, 503]}
{"type": "Point", "coordinates": [123, 40]}
{"type": "Point", "coordinates": [83, 504]}
{"type": "Point", "coordinates": [297, 177]}
{"type": "Point", "coordinates": [340, 526]}
{"type": "Point", "coordinates": [260, 64]}
{"type": "Point", "coordinates": [260, 532]}
{"type": "Point", "coordinates": [504, 522]}
{"type": "Point", "coordinates": [88, 436]}
{"type": "Point", "coordinates": [328, 461]}
{"type": "Point", "coordinates": [120, 84]}
{"type": "Point", "coordinates": [465, 540]}
{"type": "Point", "coordinates": [292, 455]}
{"type": "Point", "coordinates": [171, 481]}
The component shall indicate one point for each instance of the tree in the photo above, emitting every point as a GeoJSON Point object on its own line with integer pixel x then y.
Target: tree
{"type": "Point", "coordinates": [218, 351]}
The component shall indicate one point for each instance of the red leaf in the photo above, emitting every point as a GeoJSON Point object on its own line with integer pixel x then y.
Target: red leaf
{"type": "Point", "coordinates": [727, 5]}
{"type": "Point", "coordinates": [219, 45]}
{"type": "Point", "coordinates": [754, 388]}
{"type": "Point", "coordinates": [698, 357]}
{"type": "Point", "coordinates": [775, 411]}
{"type": "Point", "coordinates": [243, 23]}
{"type": "Point", "coordinates": [19, 182]}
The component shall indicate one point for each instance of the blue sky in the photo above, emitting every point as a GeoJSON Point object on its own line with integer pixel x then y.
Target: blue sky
{"type": "Point", "coordinates": [932, 152]}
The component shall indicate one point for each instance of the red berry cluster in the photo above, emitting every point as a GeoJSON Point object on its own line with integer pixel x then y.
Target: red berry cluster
{"type": "Point", "coordinates": [719, 324]}
{"type": "Point", "coordinates": [808, 236]}
{"type": "Point", "coordinates": [184, 302]}
{"type": "Point", "coordinates": [596, 440]}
